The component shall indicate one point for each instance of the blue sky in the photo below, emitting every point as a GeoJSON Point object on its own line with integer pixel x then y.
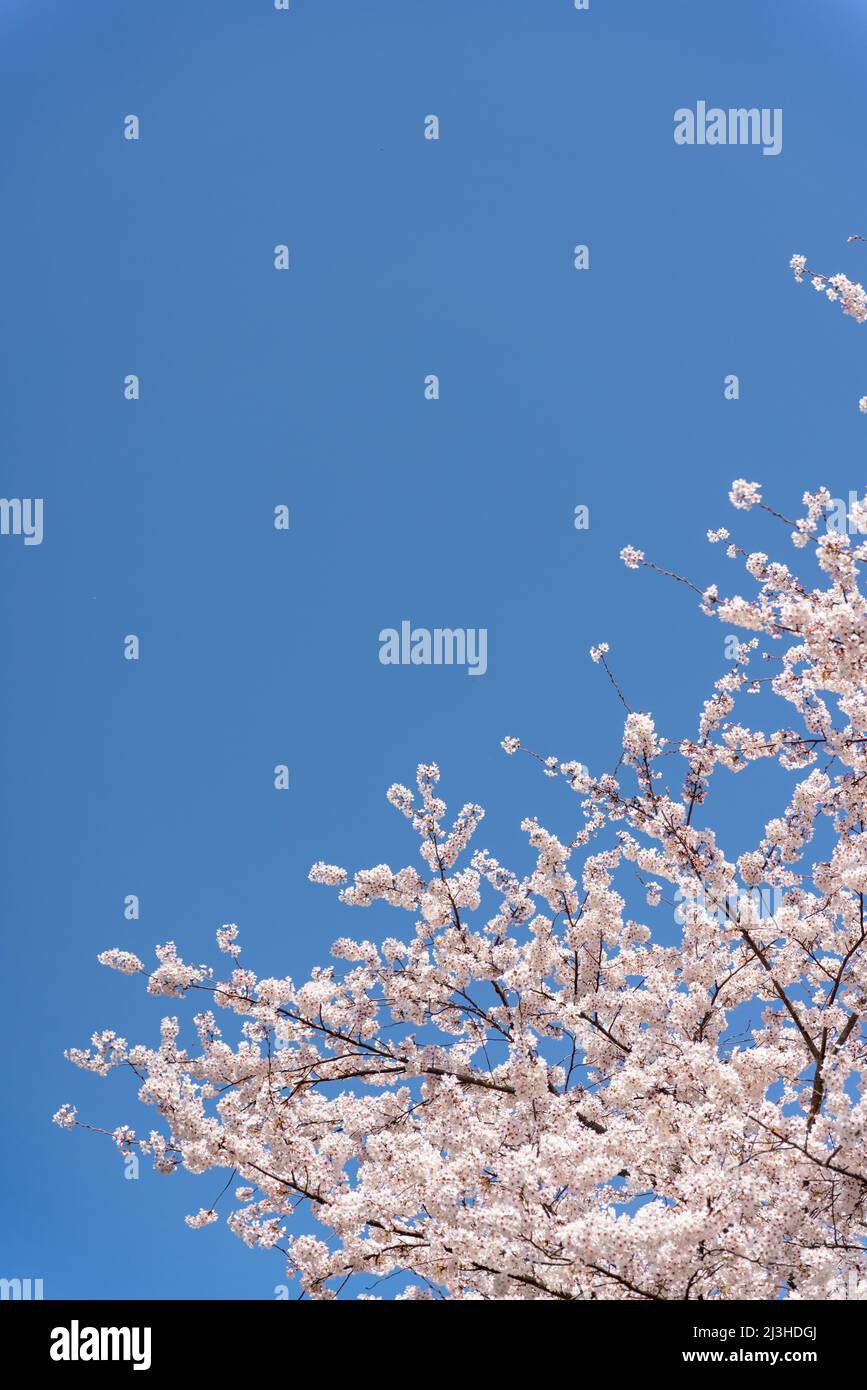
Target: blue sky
{"type": "Point", "coordinates": [558, 388]}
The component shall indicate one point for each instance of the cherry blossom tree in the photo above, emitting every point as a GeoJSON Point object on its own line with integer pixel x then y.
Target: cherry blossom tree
{"type": "Point", "coordinates": [526, 1093]}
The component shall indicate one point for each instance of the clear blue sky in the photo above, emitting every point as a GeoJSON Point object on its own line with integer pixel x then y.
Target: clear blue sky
{"type": "Point", "coordinates": [409, 257]}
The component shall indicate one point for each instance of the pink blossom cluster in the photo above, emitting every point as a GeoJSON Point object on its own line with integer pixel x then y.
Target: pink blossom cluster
{"type": "Point", "coordinates": [849, 294]}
